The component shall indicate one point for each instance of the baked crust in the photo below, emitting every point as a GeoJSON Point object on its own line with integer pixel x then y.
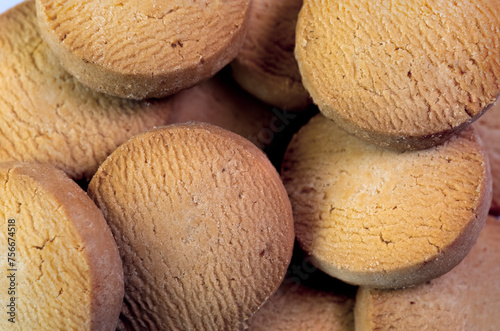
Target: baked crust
{"type": "Point", "coordinates": [203, 223]}
{"type": "Point", "coordinates": [375, 217]}
{"type": "Point", "coordinates": [143, 49]}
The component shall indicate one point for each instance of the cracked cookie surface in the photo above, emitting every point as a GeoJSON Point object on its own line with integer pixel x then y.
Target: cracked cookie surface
{"type": "Point", "coordinates": [68, 271]}
{"type": "Point", "coordinates": [381, 218]}
{"type": "Point", "coordinates": [46, 116]}
{"type": "Point", "coordinates": [203, 223]}
{"type": "Point", "coordinates": [404, 75]}
{"type": "Point", "coordinates": [143, 49]}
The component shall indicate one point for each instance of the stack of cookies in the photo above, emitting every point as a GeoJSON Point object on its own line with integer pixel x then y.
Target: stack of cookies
{"type": "Point", "coordinates": [168, 114]}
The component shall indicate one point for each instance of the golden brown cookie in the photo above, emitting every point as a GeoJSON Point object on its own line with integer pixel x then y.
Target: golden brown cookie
{"type": "Point", "coordinates": [266, 66]}
{"type": "Point", "coordinates": [466, 298]}
{"type": "Point", "coordinates": [203, 223]}
{"type": "Point", "coordinates": [46, 116]}
{"type": "Point", "coordinates": [403, 75]}
{"type": "Point", "coordinates": [143, 49]}
{"type": "Point", "coordinates": [375, 217]}
{"type": "Point", "coordinates": [299, 307]}
{"type": "Point", "coordinates": [61, 269]}
{"type": "Point", "coordinates": [219, 101]}
{"type": "Point", "coordinates": [488, 127]}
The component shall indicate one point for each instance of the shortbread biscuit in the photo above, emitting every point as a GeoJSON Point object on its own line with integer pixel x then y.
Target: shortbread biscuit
{"type": "Point", "coordinates": [466, 298]}
{"type": "Point", "coordinates": [203, 223]}
{"type": "Point", "coordinates": [219, 101]}
{"type": "Point", "coordinates": [266, 66]}
{"type": "Point", "coordinates": [46, 116]}
{"type": "Point", "coordinates": [143, 49]}
{"type": "Point", "coordinates": [61, 269]}
{"type": "Point", "coordinates": [403, 75]}
{"type": "Point", "coordinates": [488, 128]}
{"type": "Point", "coordinates": [298, 307]}
{"type": "Point", "coordinates": [380, 218]}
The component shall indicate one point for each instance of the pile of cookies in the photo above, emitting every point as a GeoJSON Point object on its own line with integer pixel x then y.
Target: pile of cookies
{"type": "Point", "coordinates": [167, 114]}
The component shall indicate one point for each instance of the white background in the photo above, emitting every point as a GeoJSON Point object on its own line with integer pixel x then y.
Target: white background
{"type": "Point", "coordinates": [6, 4]}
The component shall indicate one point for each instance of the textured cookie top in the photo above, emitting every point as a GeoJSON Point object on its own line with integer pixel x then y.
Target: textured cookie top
{"type": "Point", "coordinates": [67, 270]}
{"type": "Point", "coordinates": [488, 127]}
{"type": "Point", "coordinates": [381, 218]}
{"type": "Point", "coordinates": [47, 116]}
{"type": "Point", "coordinates": [298, 307]}
{"type": "Point", "coordinates": [400, 74]}
{"type": "Point", "coordinates": [266, 66]}
{"type": "Point", "coordinates": [219, 101]}
{"type": "Point", "coordinates": [464, 299]}
{"type": "Point", "coordinates": [169, 44]}
{"type": "Point", "coordinates": [203, 223]}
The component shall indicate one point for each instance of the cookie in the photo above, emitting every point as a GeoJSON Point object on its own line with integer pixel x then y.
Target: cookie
{"type": "Point", "coordinates": [266, 66]}
{"type": "Point", "coordinates": [376, 217]}
{"type": "Point", "coordinates": [61, 269]}
{"type": "Point", "coordinates": [219, 101]}
{"type": "Point", "coordinates": [464, 299]}
{"type": "Point", "coordinates": [143, 49]}
{"type": "Point", "coordinates": [46, 116]}
{"type": "Point", "coordinates": [298, 307]}
{"type": "Point", "coordinates": [203, 223]}
{"type": "Point", "coordinates": [403, 75]}
{"type": "Point", "coordinates": [488, 128]}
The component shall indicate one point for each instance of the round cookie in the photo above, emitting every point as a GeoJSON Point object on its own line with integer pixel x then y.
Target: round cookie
{"type": "Point", "coordinates": [46, 116]}
{"type": "Point", "coordinates": [375, 217]}
{"type": "Point", "coordinates": [143, 49]}
{"type": "Point", "coordinates": [203, 223]}
{"type": "Point", "coordinates": [400, 75]}
{"type": "Point", "coordinates": [266, 66]}
{"type": "Point", "coordinates": [61, 269]}
{"type": "Point", "coordinates": [298, 307]}
{"type": "Point", "coordinates": [219, 101]}
{"type": "Point", "coordinates": [488, 127]}
{"type": "Point", "coordinates": [464, 299]}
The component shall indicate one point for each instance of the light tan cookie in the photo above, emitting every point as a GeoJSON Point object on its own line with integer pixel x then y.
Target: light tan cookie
{"type": "Point", "coordinates": [488, 127]}
{"type": "Point", "coordinates": [219, 101]}
{"type": "Point", "coordinates": [60, 265]}
{"type": "Point", "coordinates": [298, 307]}
{"type": "Point", "coordinates": [265, 65]}
{"type": "Point", "coordinates": [375, 217]}
{"type": "Point", "coordinates": [464, 299]}
{"type": "Point", "coordinates": [143, 49]}
{"type": "Point", "coordinates": [46, 116]}
{"type": "Point", "coordinates": [203, 223]}
{"type": "Point", "coordinates": [404, 75]}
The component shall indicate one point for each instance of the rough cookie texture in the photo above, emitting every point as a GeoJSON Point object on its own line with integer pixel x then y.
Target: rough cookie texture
{"type": "Point", "coordinates": [464, 299]}
{"type": "Point", "coordinates": [203, 223]}
{"type": "Point", "coordinates": [375, 217]}
{"type": "Point", "coordinates": [68, 273]}
{"type": "Point", "coordinates": [488, 127]}
{"type": "Point", "coordinates": [266, 66]}
{"type": "Point", "coordinates": [219, 101]}
{"type": "Point", "coordinates": [46, 116]}
{"type": "Point", "coordinates": [143, 49]}
{"type": "Point", "coordinates": [298, 307]}
{"type": "Point", "coordinates": [404, 75]}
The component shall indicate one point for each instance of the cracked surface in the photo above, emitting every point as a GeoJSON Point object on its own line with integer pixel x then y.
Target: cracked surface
{"type": "Point", "coordinates": [466, 298]}
{"type": "Point", "coordinates": [143, 49]}
{"type": "Point", "coordinates": [404, 75]}
{"type": "Point", "coordinates": [203, 223]}
{"type": "Point", "coordinates": [381, 218]}
{"type": "Point", "coordinates": [488, 127]}
{"type": "Point", "coordinates": [265, 65]}
{"type": "Point", "coordinates": [298, 307]}
{"type": "Point", "coordinates": [46, 116]}
{"type": "Point", "coordinates": [69, 273]}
